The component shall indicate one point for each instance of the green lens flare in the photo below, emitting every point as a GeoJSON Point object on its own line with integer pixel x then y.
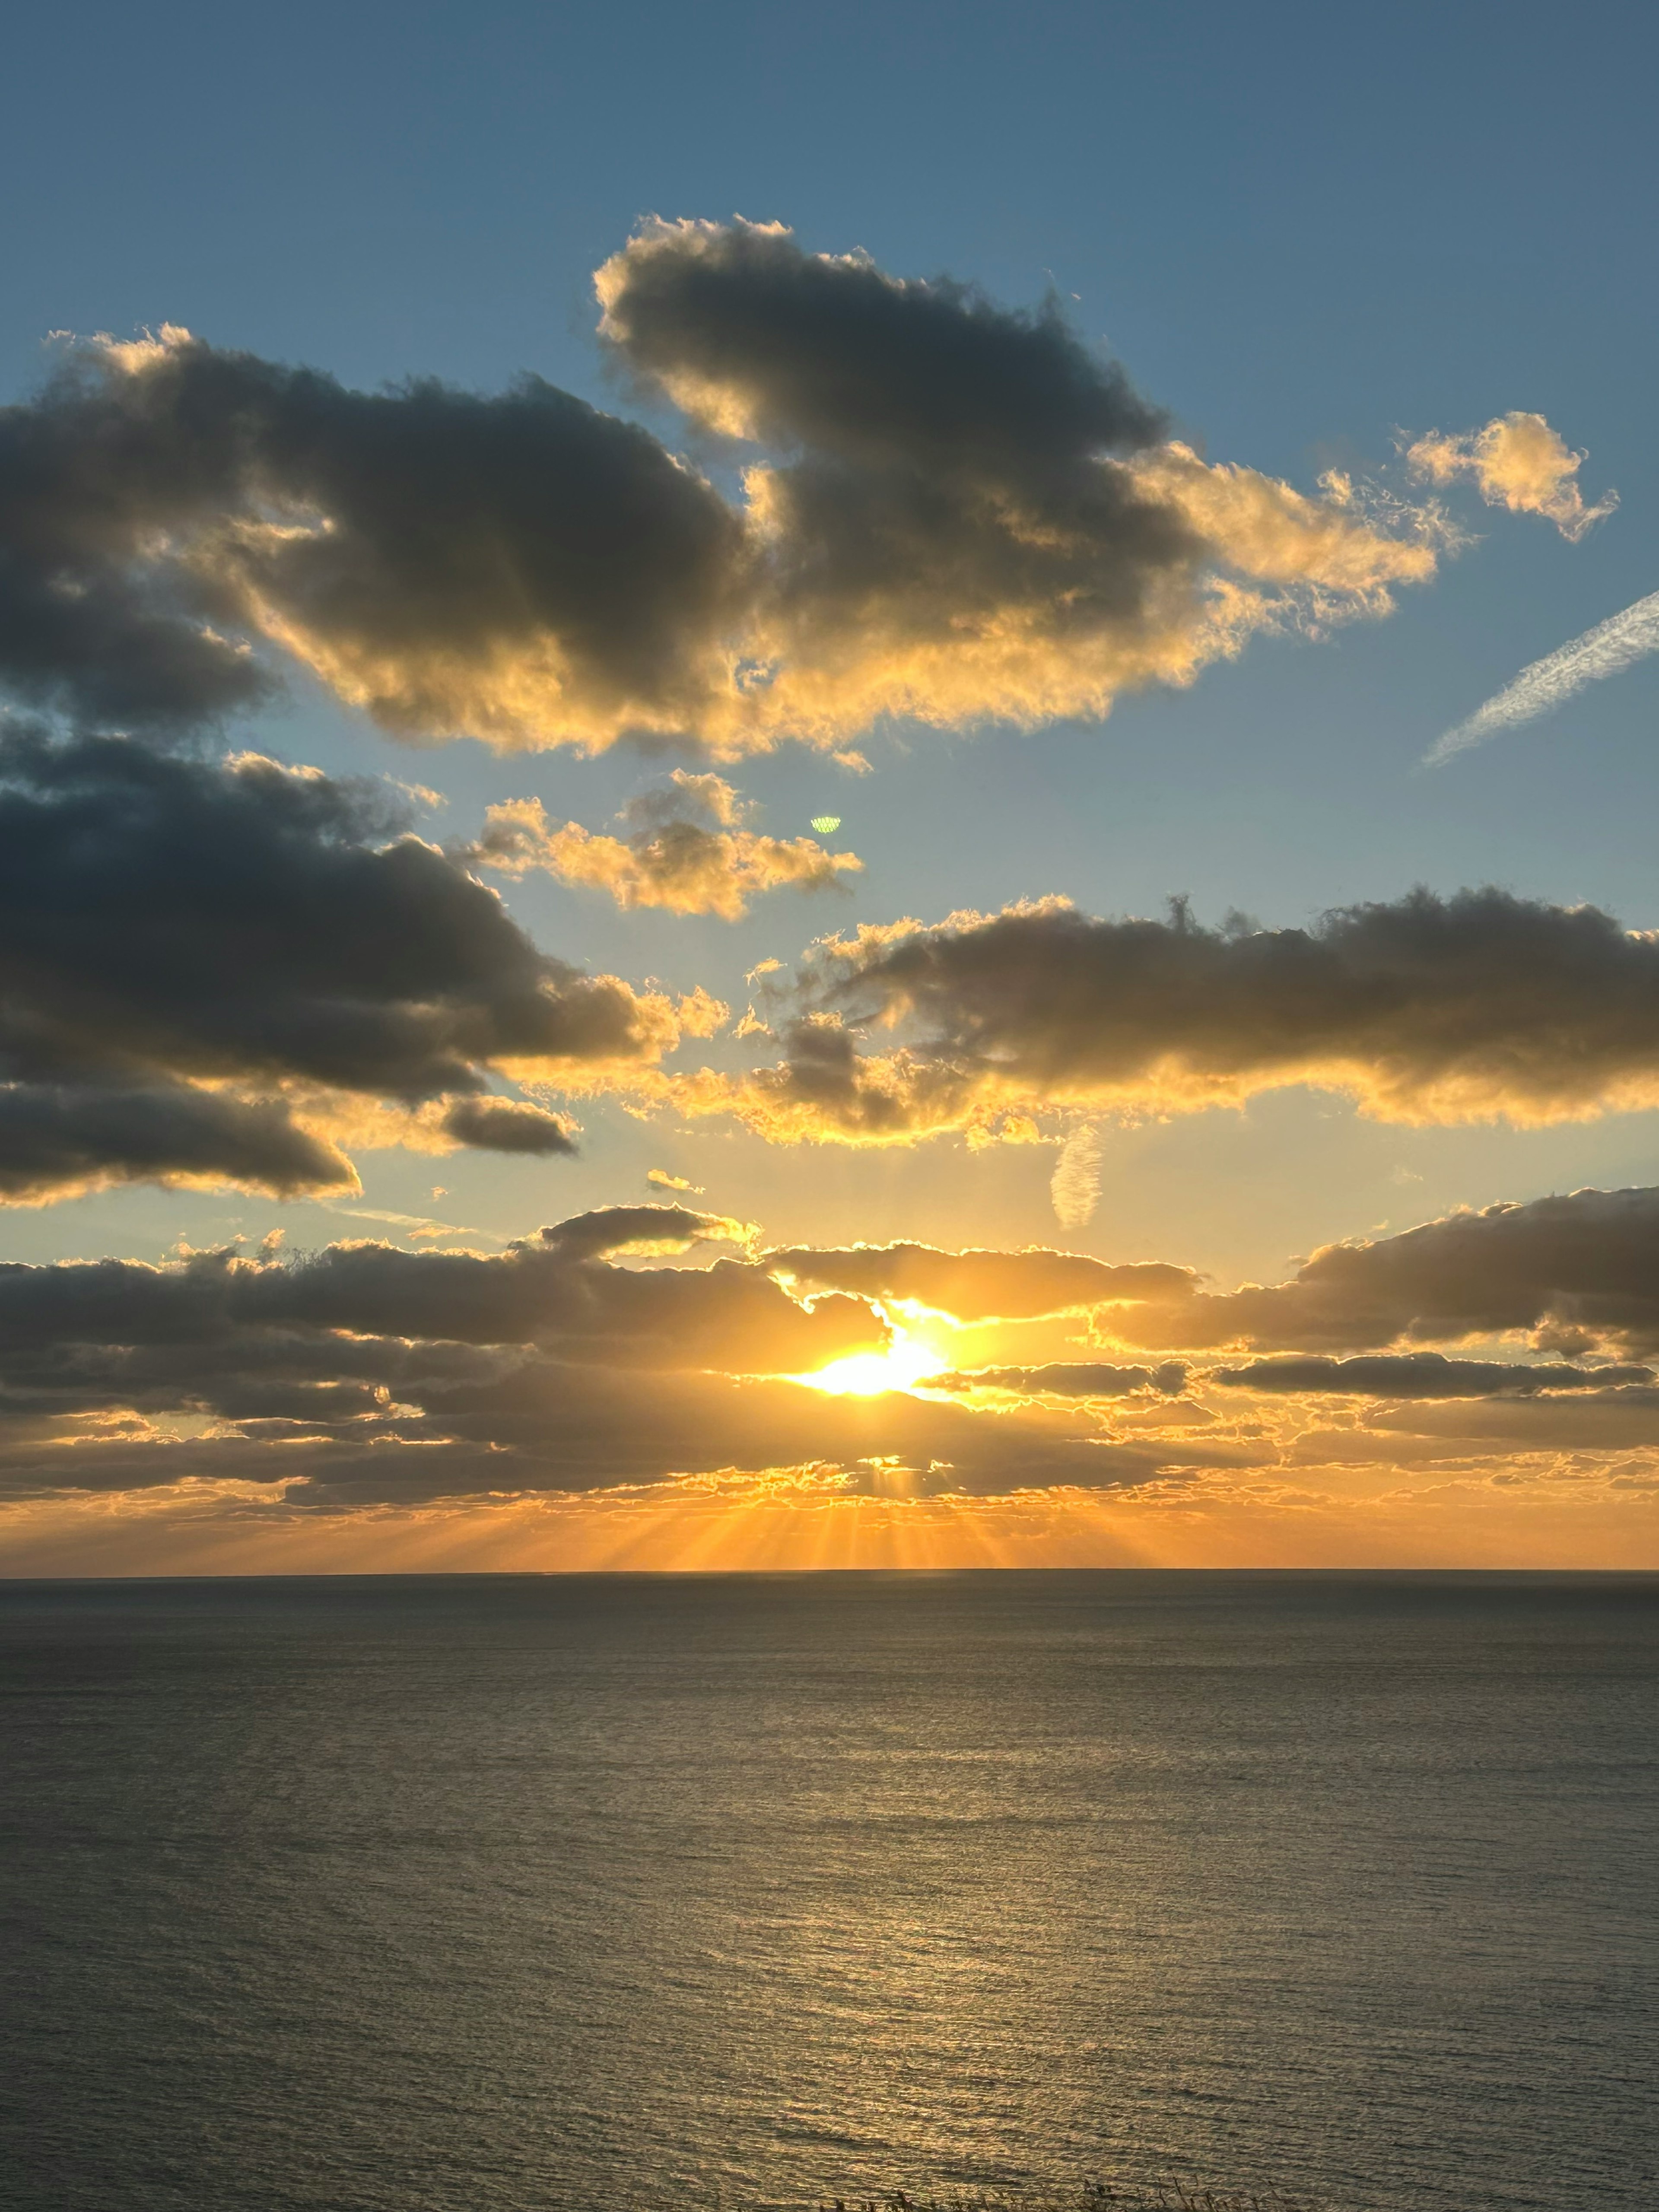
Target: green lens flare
{"type": "Point", "coordinates": [823, 823]}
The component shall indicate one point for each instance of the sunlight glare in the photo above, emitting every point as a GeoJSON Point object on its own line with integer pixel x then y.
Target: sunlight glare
{"type": "Point", "coordinates": [867, 1374]}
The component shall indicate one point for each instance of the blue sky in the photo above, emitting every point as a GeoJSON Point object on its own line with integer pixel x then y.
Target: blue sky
{"type": "Point", "coordinates": [1312, 233]}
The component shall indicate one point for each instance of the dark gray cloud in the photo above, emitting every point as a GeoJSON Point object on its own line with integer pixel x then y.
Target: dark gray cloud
{"type": "Point", "coordinates": [1068, 1378]}
{"type": "Point", "coordinates": [57, 1138]}
{"type": "Point", "coordinates": [500, 1125]}
{"type": "Point", "coordinates": [976, 519]}
{"type": "Point", "coordinates": [446, 561]}
{"type": "Point", "coordinates": [1578, 1271]}
{"type": "Point", "coordinates": [1422, 1375]}
{"type": "Point", "coordinates": [1424, 1009]}
{"type": "Point", "coordinates": [167, 922]}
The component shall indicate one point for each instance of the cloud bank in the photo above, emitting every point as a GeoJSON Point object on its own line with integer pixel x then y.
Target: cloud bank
{"type": "Point", "coordinates": [1424, 1009]}
{"type": "Point", "coordinates": [362, 1376]}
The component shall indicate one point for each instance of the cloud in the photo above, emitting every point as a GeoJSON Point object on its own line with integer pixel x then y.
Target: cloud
{"type": "Point", "coordinates": [58, 1139]}
{"type": "Point", "coordinates": [362, 1372]}
{"type": "Point", "coordinates": [1578, 1273]}
{"type": "Point", "coordinates": [685, 851]}
{"type": "Point", "coordinates": [1607, 650]}
{"type": "Point", "coordinates": [980, 1286]}
{"type": "Point", "coordinates": [979, 516]}
{"type": "Point", "coordinates": [1074, 1186]}
{"type": "Point", "coordinates": [1575, 1274]}
{"type": "Point", "coordinates": [502, 1125]}
{"type": "Point", "coordinates": [1425, 1010]}
{"type": "Point", "coordinates": [1422, 1375]}
{"type": "Point", "coordinates": [954, 511]}
{"type": "Point", "coordinates": [519, 568]}
{"type": "Point", "coordinates": [661, 1180]}
{"type": "Point", "coordinates": [191, 952]}
{"type": "Point", "coordinates": [1067, 1378]}
{"type": "Point", "coordinates": [1518, 462]}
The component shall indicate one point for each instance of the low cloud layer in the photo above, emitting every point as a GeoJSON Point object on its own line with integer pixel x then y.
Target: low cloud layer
{"type": "Point", "coordinates": [686, 850]}
{"type": "Point", "coordinates": [1422, 1375]}
{"type": "Point", "coordinates": [193, 953]}
{"type": "Point", "coordinates": [575, 1361]}
{"type": "Point", "coordinates": [1425, 1010]}
{"type": "Point", "coordinates": [366, 1373]}
{"type": "Point", "coordinates": [952, 510]}
{"type": "Point", "coordinates": [1517, 462]}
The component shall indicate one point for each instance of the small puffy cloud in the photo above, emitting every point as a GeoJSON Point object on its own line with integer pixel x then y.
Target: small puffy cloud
{"type": "Point", "coordinates": [1425, 1009]}
{"type": "Point", "coordinates": [1517, 462]}
{"type": "Point", "coordinates": [662, 1180]}
{"type": "Point", "coordinates": [685, 850]}
{"type": "Point", "coordinates": [507, 1125]}
{"type": "Point", "coordinates": [193, 952]}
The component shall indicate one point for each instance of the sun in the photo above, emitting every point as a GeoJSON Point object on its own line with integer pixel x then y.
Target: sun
{"type": "Point", "coordinates": [867, 1374]}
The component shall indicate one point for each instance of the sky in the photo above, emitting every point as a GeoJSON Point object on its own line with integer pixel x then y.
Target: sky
{"type": "Point", "coordinates": [785, 788]}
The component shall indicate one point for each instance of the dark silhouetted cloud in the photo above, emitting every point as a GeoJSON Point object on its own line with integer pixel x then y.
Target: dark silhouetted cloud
{"type": "Point", "coordinates": [1068, 1378]}
{"type": "Point", "coordinates": [1422, 1375]}
{"type": "Point", "coordinates": [1426, 1009]}
{"type": "Point", "coordinates": [1576, 1271]}
{"type": "Point", "coordinates": [168, 923]}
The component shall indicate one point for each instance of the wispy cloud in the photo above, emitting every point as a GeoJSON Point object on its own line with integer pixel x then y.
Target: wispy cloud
{"type": "Point", "coordinates": [1074, 1186]}
{"type": "Point", "coordinates": [1518, 462]}
{"type": "Point", "coordinates": [1607, 650]}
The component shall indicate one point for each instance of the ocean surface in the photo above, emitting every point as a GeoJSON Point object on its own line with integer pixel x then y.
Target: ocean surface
{"type": "Point", "coordinates": [471, 1894]}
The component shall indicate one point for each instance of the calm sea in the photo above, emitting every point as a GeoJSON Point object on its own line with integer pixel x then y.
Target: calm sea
{"type": "Point", "coordinates": [499, 1892]}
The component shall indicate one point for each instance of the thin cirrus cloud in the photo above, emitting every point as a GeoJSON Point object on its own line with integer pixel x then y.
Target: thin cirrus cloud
{"type": "Point", "coordinates": [952, 511]}
{"type": "Point", "coordinates": [686, 850]}
{"type": "Point", "coordinates": [224, 971]}
{"type": "Point", "coordinates": [1424, 1009]}
{"type": "Point", "coordinates": [1607, 650]}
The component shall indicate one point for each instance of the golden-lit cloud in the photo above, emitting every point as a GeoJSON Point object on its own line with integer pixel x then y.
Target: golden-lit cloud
{"type": "Point", "coordinates": [949, 510]}
{"type": "Point", "coordinates": [1518, 462]}
{"type": "Point", "coordinates": [686, 850]}
{"type": "Point", "coordinates": [1427, 1010]}
{"type": "Point", "coordinates": [364, 1382]}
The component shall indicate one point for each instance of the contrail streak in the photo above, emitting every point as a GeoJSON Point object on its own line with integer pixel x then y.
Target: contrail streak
{"type": "Point", "coordinates": [1604, 650]}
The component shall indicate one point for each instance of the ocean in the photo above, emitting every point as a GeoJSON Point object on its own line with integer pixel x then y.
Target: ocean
{"type": "Point", "coordinates": [485, 1893]}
